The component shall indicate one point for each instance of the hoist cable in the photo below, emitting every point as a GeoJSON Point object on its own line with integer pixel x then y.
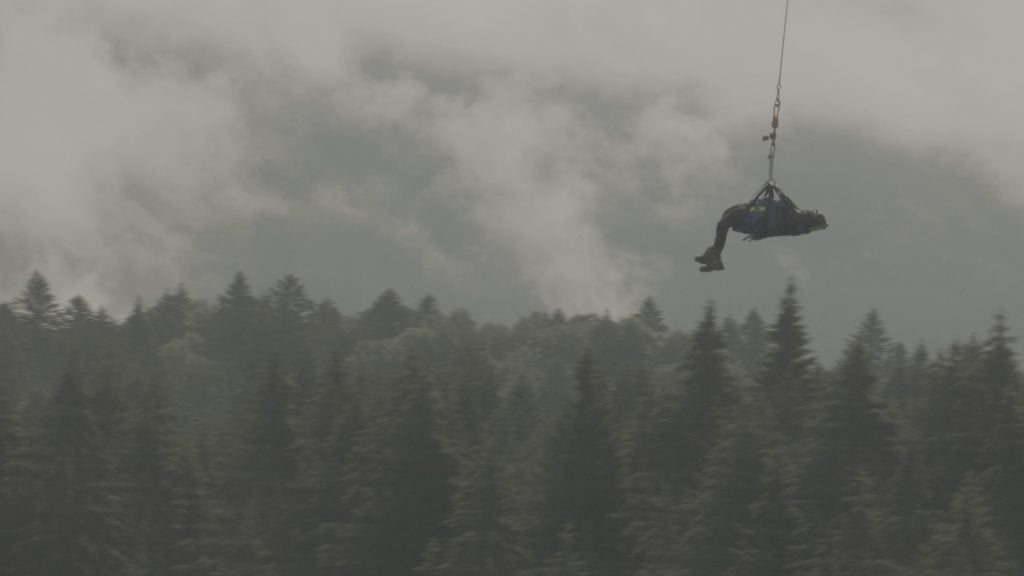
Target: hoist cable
{"type": "Point", "coordinates": [778, 101]}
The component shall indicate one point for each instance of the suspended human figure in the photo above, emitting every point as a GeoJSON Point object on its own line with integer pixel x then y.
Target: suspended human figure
{"type": "Point", "coordinates": [770, 213]}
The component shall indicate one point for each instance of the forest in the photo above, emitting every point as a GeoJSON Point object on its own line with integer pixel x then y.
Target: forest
{"type": "Point", "coordinates": [269, 433]}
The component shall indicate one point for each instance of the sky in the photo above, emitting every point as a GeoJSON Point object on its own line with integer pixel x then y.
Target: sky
{"type": "Point", "coordinates": [511, 156]}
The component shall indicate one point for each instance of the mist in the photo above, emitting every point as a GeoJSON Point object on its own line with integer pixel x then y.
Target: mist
{"type": "Point", "coordinates": [505, 156]}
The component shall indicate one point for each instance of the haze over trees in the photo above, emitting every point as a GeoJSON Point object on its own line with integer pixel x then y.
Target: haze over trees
{"type": "Point", "coordinates": [270, 433]}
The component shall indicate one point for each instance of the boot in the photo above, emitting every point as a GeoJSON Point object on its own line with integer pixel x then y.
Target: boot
{"type": "Point", "coordinates": [716, 265]}
{"type": "Point", "coordinates": [709, 256]}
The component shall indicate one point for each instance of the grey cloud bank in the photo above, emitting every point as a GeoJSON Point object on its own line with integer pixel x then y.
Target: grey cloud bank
{"type": "Point", "coordinates": [509, 155]}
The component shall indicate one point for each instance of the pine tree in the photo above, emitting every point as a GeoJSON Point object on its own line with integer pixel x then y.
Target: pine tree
{"type": "Point", "coordinates": [328, 334]}
{"type": "Point", "coordinates": [386, 318]}
{"type": "Point", "coordinates": [230, 329]}
{"type": "Point", "coordinates": [517, 433]}
{"type": "Point", "coordinates": [786, 378]}
{"type": "Point", "coordinates": [285, 332]}
{"type": "Point", "coordinates": [708, 391]}
{"type": "Point", "coordinates": [721, 511]}
{"type": "Point", "coordinates": [895, 384]}
{"type": "Point", "coordinates": [851, 433]}
{"type": "Point", "coordinates": [13, 516]}
{"type": "Point", "coordinates": [400, 491]}
{"type": "Point", "coordinates": [952, 421]}
{"type": "Point", "coordinates": [163, 492]}
{"type": "Point", "coordinates": [74, 515]}
{"type": "Point", "coordinates": [137, 345]}
{"type": "Point", "coordinates": [687, 424]}
{"type": "Point", "coordinates": [267, 460]}
{"type": "Point", "coordinates": [483, 541]}
{"type": "Point", "coordinates": [1002, 451]}
{"type": "Point", "coordinates": [755, 343]}
{"type": "Point", "coordinates": [583, 488]}
{"type": "Point", "coordinates": [332, 418]}
{"type": "Point", "coordinates": [673, 445]}
{"type": "Point", "coordinates": [854, 541]}
{"type": "Point", "coordinates": [965, 541]}
{"type": "Point", "coordinates": [651, 317]}
{"type": "Point", "coordinates": [37, 305]}
{"type": "Point", "coordinates": [263, 484]}
{"type": "Point", "coordinates": [168, 317]}
{"type": "Point", "coordinates": [765, 545]}
{"type": "Point", "coordinates": [732, 335]}
{"type": "Point", "coordinates": [875, 340]}
{"type": "Point", "coordinates": [12, 356]}
{"type": "Point", "coordinates": [78, 313]}
{"type": "Point", "coordinates": [471, 394]}
{"type": "Point", "coordinates": [427, 312]}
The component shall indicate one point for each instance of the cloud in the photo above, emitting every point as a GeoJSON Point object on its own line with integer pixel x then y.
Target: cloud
{"type": "Point", "coordinates": [105, 174]}
{"type": "Point", "coordinates": [133, 128]}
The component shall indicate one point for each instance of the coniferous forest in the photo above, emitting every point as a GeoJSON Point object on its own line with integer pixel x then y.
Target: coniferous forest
{"type": "Point", "coordinates": [266, 434]}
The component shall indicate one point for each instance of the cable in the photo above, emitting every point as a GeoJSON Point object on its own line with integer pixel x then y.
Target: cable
{"type": "Point", "coordinates": [778, 101]}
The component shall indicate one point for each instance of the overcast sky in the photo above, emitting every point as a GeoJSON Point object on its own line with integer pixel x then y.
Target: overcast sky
{"type": "Point", "coordinates": [508, 156]}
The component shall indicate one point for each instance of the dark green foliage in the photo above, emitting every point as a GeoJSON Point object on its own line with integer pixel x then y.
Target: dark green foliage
{"type": "Point", "coordinates": [964, 540]}
{"type": "Point", "coordinates": [75, 520]}
{"type": "Point", "coordinates": [483, 539]}
{"type": "Point", "coordinates": [851, 448]}
{"type": "Point", "coordinates": [400, 491]}
{"type": "Point", "coordinates": [259, 436]}
{"type": "Point", "coordinates": [10, 440]}
{"type": "Point", "coordinates": [386, 318]}
{"type": "Point", "coordinates": [37, 305]}
{"type": "Point", "coordinates": [722, 510]}
{"type": "Point", "coordinates": [651, 317]}
{"type": "Point", "coordinates": [230, 331]}
{"type": "Point", "coordinates": [427, 312]}
{"type": "Point", "coordinates": [850, 434]}
{"type": "Point", "coordinates": [162, 492]}
{"type": "Point", "coordinates": [267, 462]}
{"type": "Point", "coordinates": [786, 380]}
{"type": "Point", "coordinates": [168, 317]}
{"type": "Point", "coordinates": [583, 492]}
{"type": "Point", "coordinates": [754, 343]}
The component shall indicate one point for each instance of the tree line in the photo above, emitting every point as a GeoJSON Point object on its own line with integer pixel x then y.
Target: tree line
{"type": "Point", "coordinates": [272, 434]}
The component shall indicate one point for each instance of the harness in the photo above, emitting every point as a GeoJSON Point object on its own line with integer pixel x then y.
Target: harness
{"type": "Point", "coordinates": [769, 213]}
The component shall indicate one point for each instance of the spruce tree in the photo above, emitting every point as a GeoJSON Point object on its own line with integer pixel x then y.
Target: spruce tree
{"type": "Point", "coordinates": [952, 421]}
{"type": "Point", "coordinates": [786, 380]}
{"type": "Point", "coordinates": [875, 340]}
{"type": "Point", "coordinates": [37, 305]}
{"type": "Point", "coordinates": [720, 513]}
{"type": "Point", "coordinates": [75, 523]}
{"type": "Point", "coordinates": [386, 318]}
{"type": "Point", "coordinates": [651, 317]}
{"type": "Point", "coordinates": [229, 331]}
{"type": "Point", "coordinates": [169, 315]}
{"type": "Point", "coordinates": [14, 513]}
{"type": "Point", "coordinates": [331, 419]}
{"type": "Point", "coordinates": [1002, 455]}
{"type": "Point", "coordinates": [964, 540]}
{"type": "Point", "coordinates": [851, 433]}
{"type": "Point", "coordinates": [400, 491]}
{"type": "Point", "coordinates": [583, 489]}
{"type": "Point", "coordinates": [755, 343]}
{"type": "Point", "coordinates": [427, 312]}
{"type": "Point", "coordinates": [284, 334]}
{"type": "Point", "coordinates": [12, 355]}
{"type": "Point", "coordinates": [482, 538]}
{"type": "Point", "coordinates": [163, 492]}
{"type": "Point", "coordinates": [262, 486]}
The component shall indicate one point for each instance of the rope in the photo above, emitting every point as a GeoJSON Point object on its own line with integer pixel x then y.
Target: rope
{"type": "Point", "coordinates": [778, 101]}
